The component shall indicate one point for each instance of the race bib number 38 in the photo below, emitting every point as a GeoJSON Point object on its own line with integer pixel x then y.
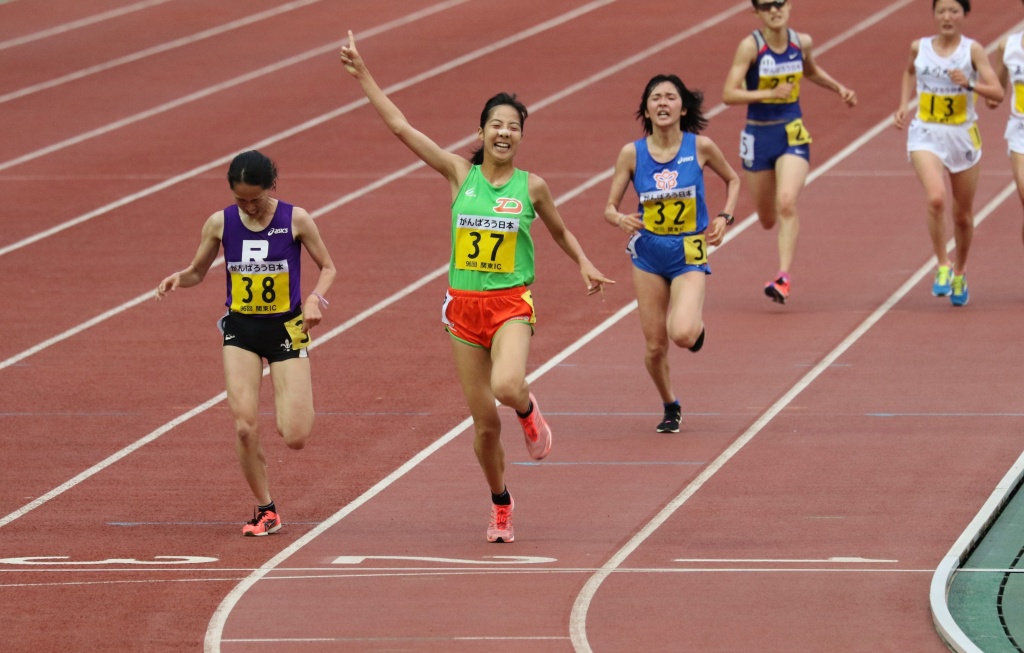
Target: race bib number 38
{"type": "Point", "coordinates": [260, 288]}
{"type": "Point", "coordinates": [486, 244]}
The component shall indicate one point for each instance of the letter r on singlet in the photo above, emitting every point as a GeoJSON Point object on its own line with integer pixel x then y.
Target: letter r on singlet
{"type": "Point", "coordinates": [255, 250]}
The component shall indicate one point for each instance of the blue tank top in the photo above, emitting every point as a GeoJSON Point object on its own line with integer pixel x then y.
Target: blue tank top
{"type": "Point", "coordinates": [263, 267]}
{"type": "Point", "coordinates": [771, 69]}
{"type": "Point", "coordinates": [671, 194]}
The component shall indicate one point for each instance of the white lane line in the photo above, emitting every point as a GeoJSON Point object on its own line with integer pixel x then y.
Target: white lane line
{"type": "Point", "coordinates": [835, 559]}
{"type": "Point", "coordinates": [157, 49]}
{"type": "Point", "coordinates": [217, 622]}
{"type": "Point", "coordinates": [383, 181]}
{"type": "Point", "coordinates": [938, 592]}
{"type": "Point", "coordinates": [235, 81]}
{"type": "Point", "coordinates": [578, 619]}
{"type": "Point", "coordinates": [81, 22]}
{"type": "Point", "coordinates": [313, 122]}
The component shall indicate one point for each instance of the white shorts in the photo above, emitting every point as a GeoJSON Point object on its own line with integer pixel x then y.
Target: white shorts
{"type": "Point", "coordinates": [957, 146]}
{"type": "Point", "coordinates": [1015, 135]}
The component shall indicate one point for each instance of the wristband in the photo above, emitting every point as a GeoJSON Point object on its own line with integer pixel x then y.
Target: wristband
{"type": "Point", "coordinates": [729, 219]}
{"type": "Point", "coordinates": [321, 298]}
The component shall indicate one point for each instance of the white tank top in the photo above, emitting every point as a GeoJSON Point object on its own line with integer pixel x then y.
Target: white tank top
{"type": "Point", "coordinates": [1013, 58]}
{"type": "Point", "coordinates": [940, 100]}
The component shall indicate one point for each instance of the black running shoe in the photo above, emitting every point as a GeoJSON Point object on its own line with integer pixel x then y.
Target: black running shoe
{"type": "Point", "coordinates": [673, 415]}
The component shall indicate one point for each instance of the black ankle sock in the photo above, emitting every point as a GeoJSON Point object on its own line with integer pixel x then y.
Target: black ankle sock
{"type": "Point", "coordinates": [527, 413]}
{"type": "Point", "coordinates": [673, 406]}
{"type": "Point", "coordinates": [502, 499]}
{"type": "Point", "coordinates": [269, 507]}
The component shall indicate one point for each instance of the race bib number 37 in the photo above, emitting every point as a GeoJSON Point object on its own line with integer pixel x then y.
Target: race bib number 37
{"type": "Point", "coordinates": [260, 288]}
{"type": "Point", "coordinates": [486, 244]}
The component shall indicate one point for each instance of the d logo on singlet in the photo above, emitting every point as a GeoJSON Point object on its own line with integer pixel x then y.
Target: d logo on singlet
{"type": "Point", "coordinates": [508, 205]}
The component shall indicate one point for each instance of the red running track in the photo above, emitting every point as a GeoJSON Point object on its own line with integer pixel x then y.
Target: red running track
{"type": "Point", "coordinates": [802, 508]}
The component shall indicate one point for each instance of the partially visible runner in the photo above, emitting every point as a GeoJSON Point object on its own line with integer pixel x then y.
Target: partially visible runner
{"type": "Point", "coordinates": [775, 145]}
{"type": "Point", "coordinates": [263, 239]}
{"type": "Point", "coordinates": [1009, 69]}
{"type": "Point", "coordinates": [948, 69]}
{"type": "Point", "coordinates": [671, 230]}
{"type": "Point", "coordinates": [488, 310]}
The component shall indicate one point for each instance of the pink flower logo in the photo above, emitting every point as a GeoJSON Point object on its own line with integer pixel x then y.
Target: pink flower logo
{"type": "Point", "coordinates": [666, 179]}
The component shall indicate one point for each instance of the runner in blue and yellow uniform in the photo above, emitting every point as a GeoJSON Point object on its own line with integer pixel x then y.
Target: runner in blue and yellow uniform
{"type": "Point", "coordinates": [488, 310]}
{"type": "Point", "coordinates": [266, 318]}
{"type": "Point", "coordinates": [766, 74]}
{"type": "Point", "coordinates": [670, 231]}
{"type": "Point", "coordinates": [947, 70]}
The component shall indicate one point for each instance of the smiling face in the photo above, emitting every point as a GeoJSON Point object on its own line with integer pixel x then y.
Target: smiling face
{"type": "Point", "coordinates": [949, 17]}
{"type": "Point", "coordinates": [664, 106]}
{"type": "Point", "coordinates": [502, 133]}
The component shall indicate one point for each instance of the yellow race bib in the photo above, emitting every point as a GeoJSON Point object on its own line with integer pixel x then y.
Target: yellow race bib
{"type": "Point", "coordinates": [944, 109]}
{"type": "Point", "coordinates": [695, 248]}
{"type": "Point", "coordinates": [260, 288]}
{"type": "Point", "coordinates": [486, 244]}
{"type": "Point", "coordinates": [671, 213]}
{"type": "Point", "coordinates": [975, 136]}
{"type": "Point", "coordinates": [796, 133]}
{"type": "Point", "coordinates": [773, 81]}
{"type": "Point", "coordinates": [1018, 97]}
{"type": "Point", "coordinates": [299, 339]}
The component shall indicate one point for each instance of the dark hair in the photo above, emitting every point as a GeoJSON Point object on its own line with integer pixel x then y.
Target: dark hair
{"type": "Point", "coordinates": [499, 100]}
{"type": "Point", "coordinates": [966, 4]}
{"type": "Point", "coordinates": [691, 121]}
{"type": "Point", "coordinates": [252, 168]}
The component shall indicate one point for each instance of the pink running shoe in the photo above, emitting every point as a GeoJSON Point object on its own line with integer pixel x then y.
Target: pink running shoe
{"type": "Point", "coordinates": [500, 528]}
{"type": "Point", "coordinates": [536, 431]}
{"type": "Point", "coordinates": [263, 523]}
{"type": "Point", "coordinates": [778, 290]}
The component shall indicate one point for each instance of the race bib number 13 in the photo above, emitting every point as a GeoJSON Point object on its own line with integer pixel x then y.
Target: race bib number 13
{"type": "Point", "coordinates": [486, 244]}
{"type": "Point", "coordinates": [945, 109]}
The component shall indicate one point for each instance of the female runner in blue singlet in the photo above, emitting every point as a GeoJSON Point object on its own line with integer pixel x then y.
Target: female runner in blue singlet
{"type": "Point", "coordinates": [671, 230]}
{"type": "Point", "coordinates": [775, 145]}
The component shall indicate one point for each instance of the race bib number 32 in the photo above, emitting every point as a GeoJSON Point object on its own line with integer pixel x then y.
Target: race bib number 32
{"type": "Point", "coordinates": [486, 244]}
{"type": "Point", "coordinates": [673, 214]}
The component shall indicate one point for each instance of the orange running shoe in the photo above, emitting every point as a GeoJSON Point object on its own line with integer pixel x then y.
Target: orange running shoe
{"type": "Point", "coordinates": [536, 432]}
{"type": "Point", "coordinates": [500, 528]}
{"type": "Point", "coordinates": [778, 290]}
{"type": "Point", "coordinates": [264, 522]}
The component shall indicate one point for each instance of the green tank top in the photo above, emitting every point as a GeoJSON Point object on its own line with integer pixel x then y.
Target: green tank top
{"type": "Point", "coordinates": [491, 244]}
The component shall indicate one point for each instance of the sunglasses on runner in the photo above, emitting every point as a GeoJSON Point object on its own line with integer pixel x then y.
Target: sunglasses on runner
{"type": "Point", "coordinates": [774, 4]}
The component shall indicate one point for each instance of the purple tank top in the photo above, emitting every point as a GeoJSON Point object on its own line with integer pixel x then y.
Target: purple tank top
{"type": "Point", "coordinates": [263, 267]}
